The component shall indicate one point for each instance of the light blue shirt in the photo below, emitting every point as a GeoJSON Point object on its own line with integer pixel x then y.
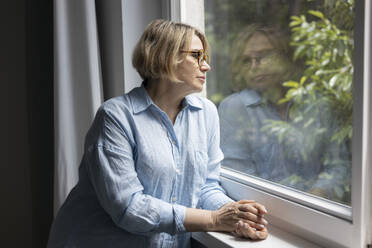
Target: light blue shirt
{"type": "Point", "coordinates": [138, 174]}
{"type": "Point", "coordinates": [246, 147]}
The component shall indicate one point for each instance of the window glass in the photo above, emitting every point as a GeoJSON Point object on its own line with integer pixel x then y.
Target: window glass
{"type": "Point", "coordinates": [281, 77]}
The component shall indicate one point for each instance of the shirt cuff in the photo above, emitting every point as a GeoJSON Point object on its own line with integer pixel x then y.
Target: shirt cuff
{"type": "Point", "coordinates": [179, 218]}
{"type": "Point", "coordinates": [216, 201]}
{"type": "Point", "coordinates": [172, 218]}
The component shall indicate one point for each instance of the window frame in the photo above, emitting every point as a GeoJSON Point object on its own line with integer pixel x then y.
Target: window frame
{"type": "Point", "coordinates": [321, 221]}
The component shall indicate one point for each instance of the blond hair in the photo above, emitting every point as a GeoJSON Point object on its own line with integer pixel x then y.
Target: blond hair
{"type": "Point", "coordinates": [157, 53]}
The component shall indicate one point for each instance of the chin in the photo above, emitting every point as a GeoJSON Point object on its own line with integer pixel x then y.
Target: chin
{"type": "Point", "coordinates": [196, 87]}
{"type": "Point", "coordinates": [199, 89]}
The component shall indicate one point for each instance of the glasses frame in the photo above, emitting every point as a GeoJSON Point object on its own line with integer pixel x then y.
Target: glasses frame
{"type": "Point", "coordinates": [201, 56]}
{"type": "Point", "coordinates": [258, 58]}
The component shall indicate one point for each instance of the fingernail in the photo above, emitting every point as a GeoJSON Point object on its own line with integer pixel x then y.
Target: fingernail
{"type": "Point", "coordinates": [265, 222]}
{"type": "Point", "coordinates": [264, 209]}
{"type": "Point", "coordinates": [246, 225]}
{"type": "Point", "coordinates": [261, 226]}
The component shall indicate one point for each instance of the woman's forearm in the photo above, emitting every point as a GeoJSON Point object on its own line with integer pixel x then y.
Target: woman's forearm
{"type": "Point", "coordinates": [199, 220]}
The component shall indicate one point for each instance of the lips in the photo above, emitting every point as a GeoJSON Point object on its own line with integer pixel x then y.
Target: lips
{"type": "Point", "coordinates": [201, 77]}
{"type": "Point", "coordinates": [261, 77]}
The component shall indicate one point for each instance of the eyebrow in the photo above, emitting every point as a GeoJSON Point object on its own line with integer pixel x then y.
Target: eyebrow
{"type": "Point", "coordinates": [259, 52]}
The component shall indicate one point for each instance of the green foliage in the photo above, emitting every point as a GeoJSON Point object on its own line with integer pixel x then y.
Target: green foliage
{"type": "Point", "coordinates": [321, 101]}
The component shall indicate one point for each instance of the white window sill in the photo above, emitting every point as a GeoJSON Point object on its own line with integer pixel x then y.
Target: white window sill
{"type": "Point", "coordinates": [277, 238]}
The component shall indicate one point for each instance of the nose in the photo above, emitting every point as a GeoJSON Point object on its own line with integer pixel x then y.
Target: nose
{"type": "Point", "coordinates": [204, 67]}
{"type": "Point", "coordinates": [255, 62]}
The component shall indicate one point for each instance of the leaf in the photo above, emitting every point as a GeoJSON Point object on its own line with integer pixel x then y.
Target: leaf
{"type": "Point", "coordinates": [299, 51]}
{"type": "Point", "coordinates": [298, 119]}
{"type": "Point", "coordinates": [295, 22]}
{"type": "Point", "coordinates": [303, 79]}
{"type": "Point", "coordinates": [340, 48]}
{"type": "Point", "coordinates": [333, 81]}
{"type": "Point", "coordinates": [296, 18]}
{"type": "Point", "coordinates": [325, 62]}
{"type": "Point", "coordinates": [292, 84]}
{"type": "Point", "coordinates": [291, 93]}
{"type": "Point", "coordinates": [316, 13]}
{"type": "Point", "coordinates": [283, 100]}
{"type": "Point", "coordinates": [309, 122]}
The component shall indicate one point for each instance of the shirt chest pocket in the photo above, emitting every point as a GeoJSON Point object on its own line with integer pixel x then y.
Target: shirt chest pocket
{"type": "Point", "coordinates": [200, 166]}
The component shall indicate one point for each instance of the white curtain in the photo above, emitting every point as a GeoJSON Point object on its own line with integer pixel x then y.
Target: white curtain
{"type": "Point", "coordinates": [88, 68]}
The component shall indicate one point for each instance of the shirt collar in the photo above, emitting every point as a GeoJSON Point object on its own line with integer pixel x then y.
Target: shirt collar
{"type": "Point", "coordinates": [192, 102]}
{"type": "Point", "coordinates": [250, 97]}
{"type": "Point", "coordinates": [141, 101]}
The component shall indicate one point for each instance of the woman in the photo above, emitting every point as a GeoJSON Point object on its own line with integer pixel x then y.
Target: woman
{"type": "Point", "coordinates": [150, 171]}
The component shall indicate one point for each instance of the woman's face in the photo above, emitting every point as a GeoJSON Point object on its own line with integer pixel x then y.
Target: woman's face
{"type": "Point", "coordinates": [189, 72]}
{"type": "Point", "coordinates": [264, 66]}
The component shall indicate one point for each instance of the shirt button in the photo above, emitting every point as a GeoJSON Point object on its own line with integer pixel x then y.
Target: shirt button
{"type": "Point", "coordinates": [177, 171]}
{"type": "Point", "coordinates": [174, 199]}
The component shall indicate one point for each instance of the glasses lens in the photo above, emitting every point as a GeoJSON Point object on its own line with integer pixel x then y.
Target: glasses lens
{"type": "Point", "coordinates": [201, 57]}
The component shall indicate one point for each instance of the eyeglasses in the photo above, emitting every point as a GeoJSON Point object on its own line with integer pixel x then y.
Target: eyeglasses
{"type": "Point", "coordinates": [200, 56]}
{"type": "Point", "coordinates": [262, 58]}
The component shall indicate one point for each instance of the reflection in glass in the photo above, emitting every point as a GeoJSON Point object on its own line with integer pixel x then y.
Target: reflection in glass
{"type": "Point", "coordinates": [288, 116]}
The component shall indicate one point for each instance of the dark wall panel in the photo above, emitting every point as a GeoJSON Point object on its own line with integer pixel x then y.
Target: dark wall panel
{"type": "Point", "coordinates": [26, 79]}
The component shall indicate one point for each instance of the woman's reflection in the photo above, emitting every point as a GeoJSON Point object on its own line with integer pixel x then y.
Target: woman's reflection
{"type": "Point", "coordinates": [303, 158]}
{"type": "Point", "coordinates": [261, 62]}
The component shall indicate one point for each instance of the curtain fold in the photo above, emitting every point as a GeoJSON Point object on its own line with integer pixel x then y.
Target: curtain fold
{"type": "Point", "coordinates": [78, 86]}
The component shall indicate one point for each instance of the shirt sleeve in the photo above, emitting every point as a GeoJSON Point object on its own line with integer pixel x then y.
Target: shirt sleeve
{"type": "Point", "coordinates": [213, 196]}
{"type": "Point", "coordinates": [111, 169]}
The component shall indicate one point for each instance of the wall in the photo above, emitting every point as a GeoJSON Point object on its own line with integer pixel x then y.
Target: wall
{"type": "Point", "coordinates": [137, 14]}
{"type": "Point", "coordinates": [26, 71]}
{"type": "Point", "coordinates": [26, 64]}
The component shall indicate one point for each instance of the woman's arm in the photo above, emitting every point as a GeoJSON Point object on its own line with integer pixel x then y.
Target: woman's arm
{"type": "Point", "coordinates": [111, 169]}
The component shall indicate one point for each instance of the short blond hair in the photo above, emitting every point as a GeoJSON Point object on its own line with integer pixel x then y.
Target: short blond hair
{"type": "Point", "coordinates": [157, 53]}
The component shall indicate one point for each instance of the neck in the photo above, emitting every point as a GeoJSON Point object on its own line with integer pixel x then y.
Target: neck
{"type": "Point", "coordinates": [273, 95]}
{"type": "Point", "coordinates": [166, 95]}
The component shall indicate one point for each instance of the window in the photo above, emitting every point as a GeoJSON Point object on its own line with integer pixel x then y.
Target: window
{"type": "Point", "coordinates": [283, 83]}
{"type": "Point", "coordinates": [289, 79]}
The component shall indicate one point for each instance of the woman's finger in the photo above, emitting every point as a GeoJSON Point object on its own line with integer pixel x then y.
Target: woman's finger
{"type": "Point", "coordinates": [261, 208]}
{"type": "Point", "coordinates": [262, 234]}
{"type": "Point", "coordinates": [252, 217]}
{"type": "Point", "coordinates": [248, 232]}
{"type": "Point", "coordinates": [238, 229]}
{"type": "Point", "coordinates": [254, 224]}
{"type": "Point", "coordinates": [248, 208]}
{"type": "Point", "coordinates": [246, 201]}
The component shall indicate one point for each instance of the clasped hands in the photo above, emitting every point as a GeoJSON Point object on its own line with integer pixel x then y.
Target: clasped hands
{"type": "Point", "coordinates": [244, 218]}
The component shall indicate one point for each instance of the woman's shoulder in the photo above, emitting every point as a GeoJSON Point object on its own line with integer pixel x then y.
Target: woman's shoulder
{"type": "Point", "coordinates": [123, 104]}
{"type": "Point", "coordinates": [231, 101]}
{"type": "Point", "coordinates": [201, 102]}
